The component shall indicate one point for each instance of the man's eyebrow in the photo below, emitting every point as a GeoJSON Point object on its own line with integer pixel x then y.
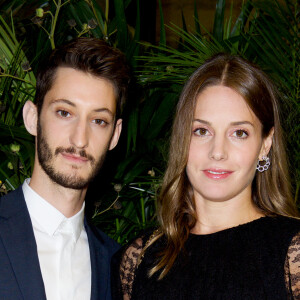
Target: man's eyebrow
{"type": "Point", "coordinates": [104, 109]}
{"type": "Point", "coordinates": [63, 101]}
{"type": "Point", "coordinates": [232, 123]}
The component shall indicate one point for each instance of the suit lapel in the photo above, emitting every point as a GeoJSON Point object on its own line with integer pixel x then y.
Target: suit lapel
{"type": "Point", "coordinates": [18, 239]}
{"type": "Point", "coordinates": [99, 265]}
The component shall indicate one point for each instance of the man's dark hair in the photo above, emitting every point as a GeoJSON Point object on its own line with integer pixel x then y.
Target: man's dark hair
{"type": "Point", "coordinates": [90, 55]}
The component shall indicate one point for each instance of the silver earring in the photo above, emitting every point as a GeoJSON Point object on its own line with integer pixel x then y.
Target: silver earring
{"type": "Point", "coordinates": [265, 167]}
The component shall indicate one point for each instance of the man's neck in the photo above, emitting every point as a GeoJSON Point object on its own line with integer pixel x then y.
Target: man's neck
{"type": "Point", "coordinates": [67, 201]}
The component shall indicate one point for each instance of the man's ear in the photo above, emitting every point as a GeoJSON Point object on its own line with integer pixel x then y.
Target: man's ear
{"type": "Point", "coordinates": [30, 117]}
{"type": "Point", "coordinates": [267, 143]}
{"type": "Point", "coordinates": [116, 134]}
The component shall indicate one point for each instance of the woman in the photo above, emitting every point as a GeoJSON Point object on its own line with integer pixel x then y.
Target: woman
{"type": "Point", "coordinates": [228, 224]}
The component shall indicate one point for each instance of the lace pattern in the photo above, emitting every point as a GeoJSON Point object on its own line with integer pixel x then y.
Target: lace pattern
{"type": "Point", "coordinates": [133, 254]}
{"type": "Point", "coordinates": [292, 268]}
{"type": "Point", "coordinates": [128, 266]}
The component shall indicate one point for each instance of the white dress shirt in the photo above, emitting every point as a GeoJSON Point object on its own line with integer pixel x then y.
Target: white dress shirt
{"type": "Point", "coordinates": [63, 249]}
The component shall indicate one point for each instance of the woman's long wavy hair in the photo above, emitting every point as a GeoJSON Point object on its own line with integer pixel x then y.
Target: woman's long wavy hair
{"type": "Point", "coordinates": [270, 189]}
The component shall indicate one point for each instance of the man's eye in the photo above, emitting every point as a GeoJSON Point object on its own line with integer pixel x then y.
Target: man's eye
{"type": "Point", "coordinates": [99, 122]}
{"type": "Point", "coordinates": [63, 113]}
{"type": "Point", "coordinates": [241, 134]}
{"type": "Point", "coordinates": [201, 131]}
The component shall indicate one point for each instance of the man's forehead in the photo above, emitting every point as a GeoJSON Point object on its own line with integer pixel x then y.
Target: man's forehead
{"type": "Point", "coordinates": [74, 87]}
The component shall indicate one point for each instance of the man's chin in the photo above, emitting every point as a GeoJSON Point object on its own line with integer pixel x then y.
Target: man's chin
{"type": "Point", "coordinates": [70, 182]}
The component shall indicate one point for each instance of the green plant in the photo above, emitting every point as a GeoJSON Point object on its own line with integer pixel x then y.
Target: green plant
{"type": "Point", "coordinates": [161, 75]}
{"type": "Point", "coordinates": [16, 86]}
{"type": "Point", "coordinates": [275, 43]}
{"type": "Point", "coordinates": [132, 211]}
{"type": "Point", "coordinates": [264, 33]}
{"type": "Point", "coordinates": [53, 22]}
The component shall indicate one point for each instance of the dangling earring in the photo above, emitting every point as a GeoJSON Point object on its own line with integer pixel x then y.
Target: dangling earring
{"type": "Point", "coordinates": [265, 167]}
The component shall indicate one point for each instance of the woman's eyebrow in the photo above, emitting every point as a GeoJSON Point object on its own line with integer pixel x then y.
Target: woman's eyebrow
{"type": "Point", "coordinates": [202, 121]}
{"type": "Point", "coordinates": [232, 123]}
{"type": "Point", "coordinates": [242, 123]}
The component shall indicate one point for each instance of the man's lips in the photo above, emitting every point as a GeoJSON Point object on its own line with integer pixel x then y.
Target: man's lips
{"type": "Point", "coordinates": [217, 173]}
{"type": "Point", "coordinates": [74, 157]}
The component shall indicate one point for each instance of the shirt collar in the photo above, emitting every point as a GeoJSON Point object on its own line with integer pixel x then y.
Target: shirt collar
{"type": "Point", "coordinates": [48, 217]}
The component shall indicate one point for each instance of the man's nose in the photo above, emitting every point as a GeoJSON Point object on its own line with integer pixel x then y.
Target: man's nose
{"type": "Point", "coordinates": [79, 136]}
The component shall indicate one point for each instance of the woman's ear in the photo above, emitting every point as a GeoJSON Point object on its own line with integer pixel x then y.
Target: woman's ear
{"type": "Point", "coordinates": [30, 117]}
{"type": "Point", "coordinates": [267, 144]}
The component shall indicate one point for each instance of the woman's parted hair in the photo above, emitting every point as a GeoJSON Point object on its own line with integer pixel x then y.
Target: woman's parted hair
{"type": "Point", "coordinates": [270, 190]}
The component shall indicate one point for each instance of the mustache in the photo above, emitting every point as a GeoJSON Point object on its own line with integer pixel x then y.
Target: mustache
{"type": "Point", "coordinates": [72, 150]}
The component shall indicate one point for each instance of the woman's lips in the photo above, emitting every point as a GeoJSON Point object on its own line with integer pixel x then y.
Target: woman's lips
{"type": "Point", "coordinates": [217, 174]}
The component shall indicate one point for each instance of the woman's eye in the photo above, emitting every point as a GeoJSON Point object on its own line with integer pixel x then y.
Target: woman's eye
{"type": "Point", "coordinates": [63, 113]}
{"type": "Point", "coordinates": [241, 134]}
{"type": "Point", "coordinates": [201, 131]}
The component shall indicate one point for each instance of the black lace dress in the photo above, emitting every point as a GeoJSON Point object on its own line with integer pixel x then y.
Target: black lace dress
{"type": "Point", "coordinates": [256, 260]}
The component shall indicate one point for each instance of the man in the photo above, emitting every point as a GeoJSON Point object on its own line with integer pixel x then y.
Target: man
{"type": "Point", "coordinates": [47, 248]}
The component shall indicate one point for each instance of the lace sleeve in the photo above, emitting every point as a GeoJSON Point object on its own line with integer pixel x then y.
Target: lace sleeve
{"type": "Point", "coordinates": [292, 268]}
{"type": "Point", "coordinates": [129, 264]}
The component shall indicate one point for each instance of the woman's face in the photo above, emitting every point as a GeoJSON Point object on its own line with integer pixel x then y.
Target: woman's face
{"type": "Point", "coordinates": [226, 144]}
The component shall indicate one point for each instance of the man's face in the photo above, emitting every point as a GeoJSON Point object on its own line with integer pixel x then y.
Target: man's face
{"type": "Point", "coordinates": [76, 127]}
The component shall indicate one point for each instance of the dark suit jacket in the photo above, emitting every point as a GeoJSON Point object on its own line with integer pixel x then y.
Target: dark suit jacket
{"type": "Point", "coordinates": [20, 274]}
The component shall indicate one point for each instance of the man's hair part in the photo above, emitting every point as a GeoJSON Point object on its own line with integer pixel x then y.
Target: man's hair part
{"type": "Point", "coordinates": [89, 55]}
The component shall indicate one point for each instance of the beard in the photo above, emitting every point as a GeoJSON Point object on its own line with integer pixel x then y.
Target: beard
{"type": "Point", "coordinates": [72, 181]}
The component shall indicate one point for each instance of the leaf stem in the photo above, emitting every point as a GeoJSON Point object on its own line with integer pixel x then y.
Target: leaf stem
{"type": "Point", "coordinates": [17, 78]}
{"type": "Point", "coordinates": [142, 202]}
{"type": "Point", "coordinates": [106, 16]}
{"type": "Point", "coordinates": [108, 208]}
{"type": "Point", "coordinates": [118, 229]}
{"type": "Point", "coordinates": [53, 23]}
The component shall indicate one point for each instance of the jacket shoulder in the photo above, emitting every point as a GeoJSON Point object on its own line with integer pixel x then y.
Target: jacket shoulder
{"type": "Point", "coordinates": [98, 235]}
{"type": "Point", "coordinates": [111, 243]}
{"type": "Point", "coordinates": [12, 203]}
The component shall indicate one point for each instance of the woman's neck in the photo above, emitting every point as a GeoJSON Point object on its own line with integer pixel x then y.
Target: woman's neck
{"type": "Point", "coordinates": [216, 216]}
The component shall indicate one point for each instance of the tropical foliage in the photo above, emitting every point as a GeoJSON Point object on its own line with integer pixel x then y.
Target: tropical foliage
{"type": "Point", "coordinates": [122, 198]}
